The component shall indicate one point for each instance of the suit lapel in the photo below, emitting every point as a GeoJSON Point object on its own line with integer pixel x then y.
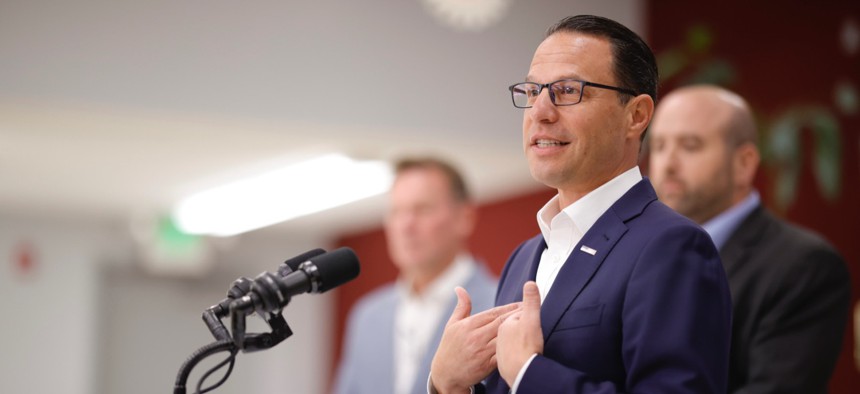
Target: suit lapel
{"type": "Point", "coordinates": [579, 268]}
{"type": "Point", "coordinates": [742, 240]}
{"type": "Point", "coordinates": [385, 343]}
{"type": "Point", "coordinates": [591, 252]}
{"type": "Point", "coordinates": [513, 284]}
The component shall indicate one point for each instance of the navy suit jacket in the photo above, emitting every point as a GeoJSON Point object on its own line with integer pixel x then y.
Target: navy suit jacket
{"type": "Point", "coordinates": [648, 312]}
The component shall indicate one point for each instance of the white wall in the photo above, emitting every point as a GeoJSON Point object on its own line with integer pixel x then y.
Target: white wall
{"type": "Point", "coordinates": [153, 325]}
{"type": "Point", "coordinates": [47, 335]}
{"type": "Point", "coordinates": [88, 320]}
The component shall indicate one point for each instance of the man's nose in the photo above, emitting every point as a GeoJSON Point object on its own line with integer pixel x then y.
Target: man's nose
{"type": "Point", "coordinates": [543, 109]}
{"type": "Point", "coordinates": [671, 160]}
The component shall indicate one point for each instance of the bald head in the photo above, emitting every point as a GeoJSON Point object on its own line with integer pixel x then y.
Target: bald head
{"type": "Point", "coordinates": [703, 156]}
{"type": "Point", "coordinates": [711, 107]}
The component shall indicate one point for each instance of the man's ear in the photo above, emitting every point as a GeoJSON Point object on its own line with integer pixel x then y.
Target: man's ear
{"type": "Point", "coordinates": [745, 163]}
{"type": "Point", "coordinates": [468, 219]}
{"type": "Point", "coordinates": [640, 109]}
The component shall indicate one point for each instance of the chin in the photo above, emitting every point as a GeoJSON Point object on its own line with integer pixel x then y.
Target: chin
{"type": "Point", "coordinates": [539, 172]}
{"type": "Point", "coordinates": [547, 177]}
{"type": "Point", "coordinates": [683, 210]}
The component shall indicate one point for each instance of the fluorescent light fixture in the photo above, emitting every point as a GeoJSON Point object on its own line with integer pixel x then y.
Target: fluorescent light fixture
{"type": "Point", "coordinates": [301, 189]}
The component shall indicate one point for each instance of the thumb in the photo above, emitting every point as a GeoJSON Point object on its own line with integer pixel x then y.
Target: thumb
{"type": "Point", "coordinates": [531, 299]}
{"type": "Point", "coordinates": [464, 305]}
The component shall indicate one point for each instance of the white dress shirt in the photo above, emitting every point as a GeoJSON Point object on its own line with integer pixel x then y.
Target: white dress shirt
{"type": "Point", "coordinates": [563, 229]}
{"type": "Point", "coordinates": [418, 317]}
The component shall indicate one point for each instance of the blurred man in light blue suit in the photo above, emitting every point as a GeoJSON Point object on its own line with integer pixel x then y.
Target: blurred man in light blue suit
{"type": "Point", "coordinates": [393, 332]}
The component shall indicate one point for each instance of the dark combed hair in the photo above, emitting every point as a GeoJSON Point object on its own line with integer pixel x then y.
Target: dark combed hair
{"type": "Point", "coordinates": [633, 61]}
{"type": "Point", "coordinates": [458, 186]}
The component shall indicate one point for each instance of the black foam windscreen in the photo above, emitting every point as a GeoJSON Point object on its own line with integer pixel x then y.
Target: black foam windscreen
{"type": "Point", "coordinates": [336, 268]}
{"type": "Point", "coordinates": [293, 264]}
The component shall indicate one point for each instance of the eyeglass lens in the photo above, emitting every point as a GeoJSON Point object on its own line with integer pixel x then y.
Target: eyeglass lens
{"type": "Point", "coordinates": [565, 92]}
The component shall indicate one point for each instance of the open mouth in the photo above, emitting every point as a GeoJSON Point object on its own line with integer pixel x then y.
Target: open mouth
{"type": "Point", "coordinates": [543, 143]}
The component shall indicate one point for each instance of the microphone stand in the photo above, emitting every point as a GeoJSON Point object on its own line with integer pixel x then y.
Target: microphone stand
{"type": "Point", "coordinates": [238, 310]}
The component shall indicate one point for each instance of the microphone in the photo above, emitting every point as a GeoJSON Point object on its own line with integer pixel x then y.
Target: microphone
{"type": "Point", "coordinates": [270, 292]}
{"type": "Point", "coordinates": [242, 286]}
{"type": "Point", "coordinates": [293, 264]}
{"type": "Point", "coordinates": [311, 272]}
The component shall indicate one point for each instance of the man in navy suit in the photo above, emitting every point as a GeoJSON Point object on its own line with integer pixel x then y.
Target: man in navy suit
{"type": "Point", "coordinates": [791, 291]}
{"type": "Point", "coordinates": [392, 332]}
{"type": "Point", "coordinates": [619, 294]}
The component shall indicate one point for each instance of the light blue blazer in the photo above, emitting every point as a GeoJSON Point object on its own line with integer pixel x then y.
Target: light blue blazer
{"type": "Point", "coordinates": [367, 365]}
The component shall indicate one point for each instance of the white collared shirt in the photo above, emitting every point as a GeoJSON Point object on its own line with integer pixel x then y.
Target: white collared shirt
{"type": "Point", "coordinates": [563, 229]}
{"type": "Point", "coordinates": [418, 317]}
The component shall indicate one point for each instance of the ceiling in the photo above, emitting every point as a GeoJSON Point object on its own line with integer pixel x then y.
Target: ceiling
{"type": "Point", "coordinates": [116, 109]}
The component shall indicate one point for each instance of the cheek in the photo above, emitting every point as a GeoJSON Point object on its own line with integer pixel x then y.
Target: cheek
{"type": "Point", "coordinates": [526, 124]}
{"type": "Point", "coordinates": [442, 230]}
{"type": "Point", "coordinates": [395, 224]}
{"type": "Point", "coordinates": [393, 237]}
{"type": "Point", "coordinates": [402, 231]}
{"type": "Point", "coordinates": [602, 136]}
{"type": "Point", "coordinates": [657, 162]}
{"type": "Point", "coordinates": [422, 227]}
{"type": "Point", "coordinates": [689, 165]}
{"type": "Point", "coordinates": [705, 169]}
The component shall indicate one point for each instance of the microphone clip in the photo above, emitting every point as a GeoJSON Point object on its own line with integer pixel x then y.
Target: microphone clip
{"type": "Point", "coordinates": [259, 341]}
{"type": "Point", "coordinates": [266, 295]}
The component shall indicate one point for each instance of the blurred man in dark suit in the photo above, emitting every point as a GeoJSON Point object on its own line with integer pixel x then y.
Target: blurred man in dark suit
{"type": "Point", "coordinates": [790, 288]}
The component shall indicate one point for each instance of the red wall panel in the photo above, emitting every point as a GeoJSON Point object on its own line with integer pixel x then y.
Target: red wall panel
{"type": "Point", "coordinates": [798, 66]}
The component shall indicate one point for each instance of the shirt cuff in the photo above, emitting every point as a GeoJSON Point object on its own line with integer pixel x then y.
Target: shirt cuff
{"type": "Point", "coordinates": [520, 374]}
{"type": "Point", "coordinates": [432, 390]}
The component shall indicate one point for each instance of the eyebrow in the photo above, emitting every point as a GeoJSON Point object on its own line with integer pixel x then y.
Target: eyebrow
{"type": "Point", "coordinates": [530, 78]}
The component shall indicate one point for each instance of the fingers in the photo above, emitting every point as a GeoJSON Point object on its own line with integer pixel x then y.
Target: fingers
{"type": "Point", "coordinates": [510, 314]}
{"type": "Point", "coordinates": [489, 315]}
{"type": "Point", "coordinates": [464, 306]}
{"type": "Point", "coordinates": [487, 321]}
{"type": "Point", "coordinates": [466, 353]}
{"type": "Point", "coordinates": [490, 328]}
{"type": "Point", "coordinates": [531, 300]}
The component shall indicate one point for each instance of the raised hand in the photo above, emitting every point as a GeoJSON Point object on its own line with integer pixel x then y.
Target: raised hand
{"type": "Point", "coordinates": [520, 335]}
{"type": "Point", "coordinates": [467, 351]}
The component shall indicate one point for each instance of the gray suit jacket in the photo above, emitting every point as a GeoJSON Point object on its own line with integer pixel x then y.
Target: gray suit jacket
{"type": "Point", "coordinates": [367, 365]}
{"type": "Point", "coordinates": [791, 294]}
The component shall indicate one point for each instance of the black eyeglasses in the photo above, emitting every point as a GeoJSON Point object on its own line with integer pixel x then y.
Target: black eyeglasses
{"type": "Point", "coordinates": [561, 92]}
